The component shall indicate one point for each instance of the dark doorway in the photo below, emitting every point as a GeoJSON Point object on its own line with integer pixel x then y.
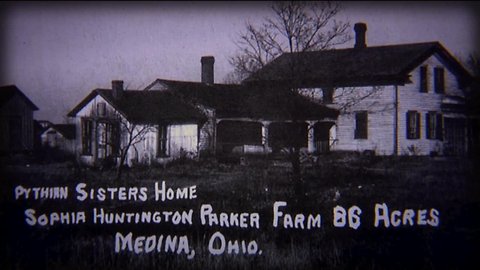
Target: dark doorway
{"type": "Point", "coordinates": [321, 133]}
{"type": "Point", "coordinates": [236, 133]}
{"type": "Point", "coordinates": [284, 135]}
{"type": "Point", "coordinates": [454, 136]}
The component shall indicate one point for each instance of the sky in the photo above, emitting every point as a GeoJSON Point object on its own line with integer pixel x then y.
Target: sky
{"type": "Point", "coordinates": [57, 52]}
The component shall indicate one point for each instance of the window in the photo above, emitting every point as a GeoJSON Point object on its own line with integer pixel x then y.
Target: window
{"type": "Point", "coordinates": [434, 126]}
{"type": "Point", "coordinates": [101, 109]}
{"type": "Point", "coordinates": [87, 130]}
{"type": "Point", "coordinates": [162, 147]}
{"type": "Point", "coordinates": [327, 95]}
{"type": "Point", "coordinates": [113, 138]}
{"type": "Point", "coordinates": [439, 79]}
{"type": "Point", "coordinates": [361, 125]}
{"type": "Point", "coordinates": [413, 125]}
{"type": "Point", "coordinates": [424, 79]}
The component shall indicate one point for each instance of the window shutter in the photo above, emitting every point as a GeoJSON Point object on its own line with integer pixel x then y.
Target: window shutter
{"type": "Point", "coordinates": [408, 129]}
{"type": "Point", "coordinates": [417, 131]}
{"type": "Point", "coordinates": [84, 136]}
{"type": "Point", "coordinates": [413, 125]}
{"type": "Point", "coordinates": [439, 127]}
{"type": "Point", "coordinates": [428, 125]}
{"type": "Point", "coordinates": [87, 127]}
{"type": "Point", "coordinates": [439, 75]}
{"type": "Point", "coordinates": [162, 147]}
{"type": "Point", "coordinates": [423, 79]}
{"type": "Point", "coordinates": [116, 138]}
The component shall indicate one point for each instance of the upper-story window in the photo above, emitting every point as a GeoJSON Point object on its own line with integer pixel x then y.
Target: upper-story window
{"type": "Point", "coordinates": [327, 95]}
{"type": "Point", "coordinates": [439, 79]}
{"type": "Point", "coordinates": [424, 79]}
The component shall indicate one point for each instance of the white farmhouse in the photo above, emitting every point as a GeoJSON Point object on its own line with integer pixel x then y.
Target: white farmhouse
{"type": "Point", "coordinates": [144, 127]}
{"type": "Point", "coordinates": [395, 99]}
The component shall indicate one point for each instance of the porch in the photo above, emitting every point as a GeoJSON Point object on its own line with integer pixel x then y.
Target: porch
{"type": "Point", "coordinates": [246, 136]}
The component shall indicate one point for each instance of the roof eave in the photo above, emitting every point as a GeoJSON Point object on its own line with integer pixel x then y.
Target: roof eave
{"type": "Point", "coordinates": [89, 97]}
{"type": "Point", "coordinates": [383, 80]}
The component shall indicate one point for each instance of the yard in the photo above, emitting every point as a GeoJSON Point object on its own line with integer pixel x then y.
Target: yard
{"type": "Point", "coordinates": [441, 194]}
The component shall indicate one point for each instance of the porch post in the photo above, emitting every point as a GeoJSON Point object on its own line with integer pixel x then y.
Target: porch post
{"type": "Point", "coordinates": [265, 143]}
{"type": "Point", "coordinates": [311, 137]}
{"type": "Point", "coordinates": [95, 141]}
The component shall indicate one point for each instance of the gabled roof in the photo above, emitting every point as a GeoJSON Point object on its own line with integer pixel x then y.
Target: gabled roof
{"type": "Point", "coordinates": [67, 130]}
{"type": "Point", "coordinates": [248, 101]}
{"type": "Point", "coordinates": [221, 97]}
{"type": "Point", "coordinates": [380, 65]}
{"type": "Point", "coordinates": [146, 107]}
{"type": "Point", "coordinates": [7, 92]}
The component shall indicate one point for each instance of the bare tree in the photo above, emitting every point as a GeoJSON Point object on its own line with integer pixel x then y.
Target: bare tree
{"type": "Point", "coordinates": [130, 134]}
{"type": "Point", "coordinates": [294, 27]}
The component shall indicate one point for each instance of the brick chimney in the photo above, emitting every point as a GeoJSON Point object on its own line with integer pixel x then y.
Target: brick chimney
{"type": "Point", "coordinates": [207, 69]}
{"type": "Point", "coordinates": [360, 37]}
{"type": "Point", "coordinates": [117, 89]}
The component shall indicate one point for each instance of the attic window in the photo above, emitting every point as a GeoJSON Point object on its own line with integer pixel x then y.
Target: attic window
{"type": "Point", "coordinates": [424, 79]}
{"type": "Point", "coordinates": [101, 109]}
{"type": "Point", "coordinates": [327, 95]}
{"type": "Point", "coordinates": [439, 79]}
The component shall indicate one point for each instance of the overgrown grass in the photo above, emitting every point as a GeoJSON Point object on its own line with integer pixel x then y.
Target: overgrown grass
{"type": "Point", "coordinates": [449, 185]}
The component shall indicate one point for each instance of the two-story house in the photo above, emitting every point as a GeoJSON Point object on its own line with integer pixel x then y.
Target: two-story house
{"type": "Point", "coordinates": [394, 99]}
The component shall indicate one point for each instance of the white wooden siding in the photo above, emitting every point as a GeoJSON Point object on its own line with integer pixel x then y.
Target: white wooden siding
{"type": "Point", "coordinates": [381, 113]}
{"type": "Point", "coordinates": [380, 107]}
{"type": "Point", "coordinates": [90, 110]}
{"type": "Point", "coordinates": [181, 138]}
{"type": "Point", "coordinates": [411, 99]}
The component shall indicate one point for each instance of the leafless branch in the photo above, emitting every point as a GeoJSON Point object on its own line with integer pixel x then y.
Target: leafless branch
{"type": "Point", "coordinates": [294, 27]}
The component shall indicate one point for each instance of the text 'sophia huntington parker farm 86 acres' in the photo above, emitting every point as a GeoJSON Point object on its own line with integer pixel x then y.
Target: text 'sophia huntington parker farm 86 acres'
{"type": "Point", "coordinates": [286, 135]}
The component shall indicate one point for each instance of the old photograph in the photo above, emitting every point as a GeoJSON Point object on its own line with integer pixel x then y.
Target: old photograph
{"type": "Point", "coordinates": [241, 135]}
